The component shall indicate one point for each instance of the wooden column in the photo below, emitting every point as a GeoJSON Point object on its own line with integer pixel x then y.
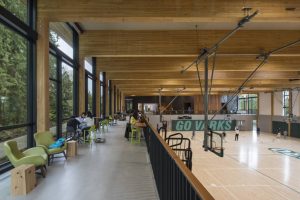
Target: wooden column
{"type": "Point", "coordinates": [81, 88]}
{"type": "Point", "coordinates": [272, 109]}
{"type": "Point", "coordinates": [290, 110]}
{"type": "Point", "coordinates": [107, 98]}
{"type": "Point", "coordinates": [42, 74]}
{"type": "Point", "coordinates": [257, 112]}
{"type": "Point", "coordinates": [112, 97]}
{"type": "Point", "coordinates": [97, 92]}
{"type": "Point", "coordinates": [122, 102]}
{"type": "Point", "coordinates": [117, 100]}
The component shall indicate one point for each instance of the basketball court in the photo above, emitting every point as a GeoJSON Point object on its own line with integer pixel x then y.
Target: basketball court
{"type": "Point", "coordinates": [248, 170]}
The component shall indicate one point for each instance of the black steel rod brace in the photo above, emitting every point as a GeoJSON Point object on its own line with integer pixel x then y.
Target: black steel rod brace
{"type": "Point", "coordinates": [204, 54]}
{"type": "Point", "coordinates": [265, 58]}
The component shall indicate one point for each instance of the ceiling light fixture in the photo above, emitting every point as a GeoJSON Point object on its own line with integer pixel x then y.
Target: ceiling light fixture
{"type": "Point", "coordinates": [290, 9]}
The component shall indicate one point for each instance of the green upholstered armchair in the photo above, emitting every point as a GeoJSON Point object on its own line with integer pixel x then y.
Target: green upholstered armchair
{"type": "Point", "coordinates": [36, 156]}
{"type": "Point", "coordinates": [45, 139]}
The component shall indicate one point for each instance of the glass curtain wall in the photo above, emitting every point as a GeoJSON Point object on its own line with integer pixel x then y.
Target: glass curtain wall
{"type": "Point", "coordinates": [90, 85]}
{"type": "Point", "coordinates": [285, 100]}
{"type": "Point", "coordinates": [247, 104]}
{"type": "Point", "coordinates": [102, 95]}
{"type": "Point", "coordinates": [63, 70]}
{"type": "Point", "coordinates": [17, 75]}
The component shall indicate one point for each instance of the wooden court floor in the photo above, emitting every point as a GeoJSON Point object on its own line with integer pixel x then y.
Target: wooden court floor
{"type": "Point", "coordinates": [249, 170]}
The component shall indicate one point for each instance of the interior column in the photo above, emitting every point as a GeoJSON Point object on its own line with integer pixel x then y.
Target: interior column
{"type": "Point", "coordinates": [42, 73]}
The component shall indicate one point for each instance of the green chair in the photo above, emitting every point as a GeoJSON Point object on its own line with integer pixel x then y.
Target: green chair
{"type": "Point", "coordinates": [45, 139]}
{"type": "Point", "coordinates": [110, 120]}
{"type": "Point", "coordinates": [36, 156]}
{"type": "Point", "coordinates": [135, 137]}
{"type": "Point", "coordinates": [90, 137]}
{"type": "Point", "coordinates": [104, 123]}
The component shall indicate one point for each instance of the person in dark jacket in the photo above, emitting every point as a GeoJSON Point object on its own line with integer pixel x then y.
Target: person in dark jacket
{"type": "Point", "coordinates": [72, 126]}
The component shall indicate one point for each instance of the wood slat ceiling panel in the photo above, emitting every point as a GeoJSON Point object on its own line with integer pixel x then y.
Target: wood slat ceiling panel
{"type": "Point", "coordinates": [176, 64]}
{"type": "Point", "coordinates": [166, 43]}
{"type": "Point", "coordinates": [168, 10]}
{"type": "Point", "coordinates": [193, 75]}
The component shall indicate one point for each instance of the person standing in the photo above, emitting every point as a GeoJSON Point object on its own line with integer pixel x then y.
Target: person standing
{"type": "Point", "coordinates": [224, 136]}
{"type": "Point", "coordinates": [237, 132]}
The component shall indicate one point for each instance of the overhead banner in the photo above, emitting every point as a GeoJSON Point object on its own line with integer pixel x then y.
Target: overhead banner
{"type": "Point", "coordinates": [198, 125]}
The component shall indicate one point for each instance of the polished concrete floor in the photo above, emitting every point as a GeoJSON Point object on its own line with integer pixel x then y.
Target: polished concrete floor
{"type": "Point", "coordinates": [113, 170]}
{"type": "Point", "coordinates": [249, 170]}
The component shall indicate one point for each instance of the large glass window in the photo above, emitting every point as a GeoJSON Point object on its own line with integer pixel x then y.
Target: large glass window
{"type": "Point", "coordinates": [62, 37]}
{"type": "Point", "coordinates": [67, 90]}
{"type": "Point", "coordinates": [90, 95]}
{"type": "Point", "coordinates": [17, 8]}
{"type": "Point", "coordinates": [285, 100]}
{"type": "Point", "coordinates": [53, 91]}
{"type": "Point", "coordinates": [247, 104]}
{"type": "Point", "coordinates": [88, 65]}
{"type": "Point", "coordinates": [62, 75]}
{"type": "Point", "coordinates": [90, 81]}
{"type": "Point", "coordinates": [13, 88]}
{"type": "Point", "coordinates": [102, 94]}
{"type": "Point", "coordinates": [13, 78]}
{"type": "Point", "coordinates": [17, 121]}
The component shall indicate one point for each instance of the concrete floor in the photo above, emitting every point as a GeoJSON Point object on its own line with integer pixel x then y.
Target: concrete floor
{"type": "Point", "coordinates": [109, 171]}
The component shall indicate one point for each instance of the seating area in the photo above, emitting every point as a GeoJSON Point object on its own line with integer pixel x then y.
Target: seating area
{"type": "Point", "coordinates": [171, 75]}
{"type": "Point", "coordinates": [115, 170]}
{"type": "Point", "coordinates": [36, 156]}
{"type": "Point", "coordinates": [44, 140]}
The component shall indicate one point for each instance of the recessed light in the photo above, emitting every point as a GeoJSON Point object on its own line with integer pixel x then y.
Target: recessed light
{"type": "Point", "coordinates": [290, 9]}
{"type": "Point", "coordinates": [246, 9]}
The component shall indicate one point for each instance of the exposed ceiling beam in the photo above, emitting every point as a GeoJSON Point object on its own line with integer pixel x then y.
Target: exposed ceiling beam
{"type": "Point", "coordinates": [166, 11]}
{"type": "Point", "coordinates": [193, 76]}
{"type": "Point", "coordinates": [234, 63]}
{"type": "Point", "coordinates": [182, 42]}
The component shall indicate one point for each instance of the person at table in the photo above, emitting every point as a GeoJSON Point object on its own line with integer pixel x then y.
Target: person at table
{"type": "Point", "coordinates": [81, 118]}
{"type": "Point", "coordinates": [89, 119]}
{"type": "Point", "coordinates": [133, 121]}
{"type": "Point", "coordinates": [88, 122]}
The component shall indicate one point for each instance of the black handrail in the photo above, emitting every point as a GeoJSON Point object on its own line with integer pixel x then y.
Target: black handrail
{"type": "Point", "coordinates": [174, 181]}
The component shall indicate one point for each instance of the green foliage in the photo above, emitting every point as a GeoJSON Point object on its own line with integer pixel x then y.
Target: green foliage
{"type": "Point", "coordinates": [67, 91]}
{"type": "Point", "coordinates": [17, 7]}
{"type": "Point", "coordinates": [13, 77]}
{"type": "Point", "coordinates": [90, 101]}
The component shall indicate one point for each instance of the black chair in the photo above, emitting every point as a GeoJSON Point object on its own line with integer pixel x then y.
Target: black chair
{"type": "Point", "coordinates": [72, 126]}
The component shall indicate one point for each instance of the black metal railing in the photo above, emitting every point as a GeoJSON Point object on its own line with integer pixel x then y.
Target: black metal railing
{"type": "Point", "coordinates": [174, 181]}
{"type": "Point", "coordinates": [182, 147]}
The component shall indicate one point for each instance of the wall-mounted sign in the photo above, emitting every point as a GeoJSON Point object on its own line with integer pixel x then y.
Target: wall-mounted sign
{"type": "Point", "coordinates": [286, 152]}
{"type": "Point", "coordinates": [198, 125]}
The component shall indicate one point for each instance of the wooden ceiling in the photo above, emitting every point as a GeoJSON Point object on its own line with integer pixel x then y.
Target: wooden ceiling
{"type": "Point", "coordinates": [140, 62]}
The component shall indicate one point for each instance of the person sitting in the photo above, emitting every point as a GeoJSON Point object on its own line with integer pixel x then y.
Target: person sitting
{"type": "Point", "coordinates": [133, 121]}
{"type": "Point", "coordinates": [72, 126]}
{"type": "Point", "coordinates": [81, 118]}
{"type": "Point", "coordinates": [89, 119]}
{"type": "Point", "coordinates": [87, 124]}
{"type": "Point", "coordinates": [133, 118]}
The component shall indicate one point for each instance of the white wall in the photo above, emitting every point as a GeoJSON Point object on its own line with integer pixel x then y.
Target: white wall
{"type": "Point", "coordinates": [264, 103]}
{"type": "Point", "coordinates": [296, 103]}
{"type": "Point", "coordinates": [247, 119]}
{"type": "Point", "coordinates": [278, 103]}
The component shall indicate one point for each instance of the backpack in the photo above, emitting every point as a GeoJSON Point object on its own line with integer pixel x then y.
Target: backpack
{"type": "Point", "coordinates": [58, 143]}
